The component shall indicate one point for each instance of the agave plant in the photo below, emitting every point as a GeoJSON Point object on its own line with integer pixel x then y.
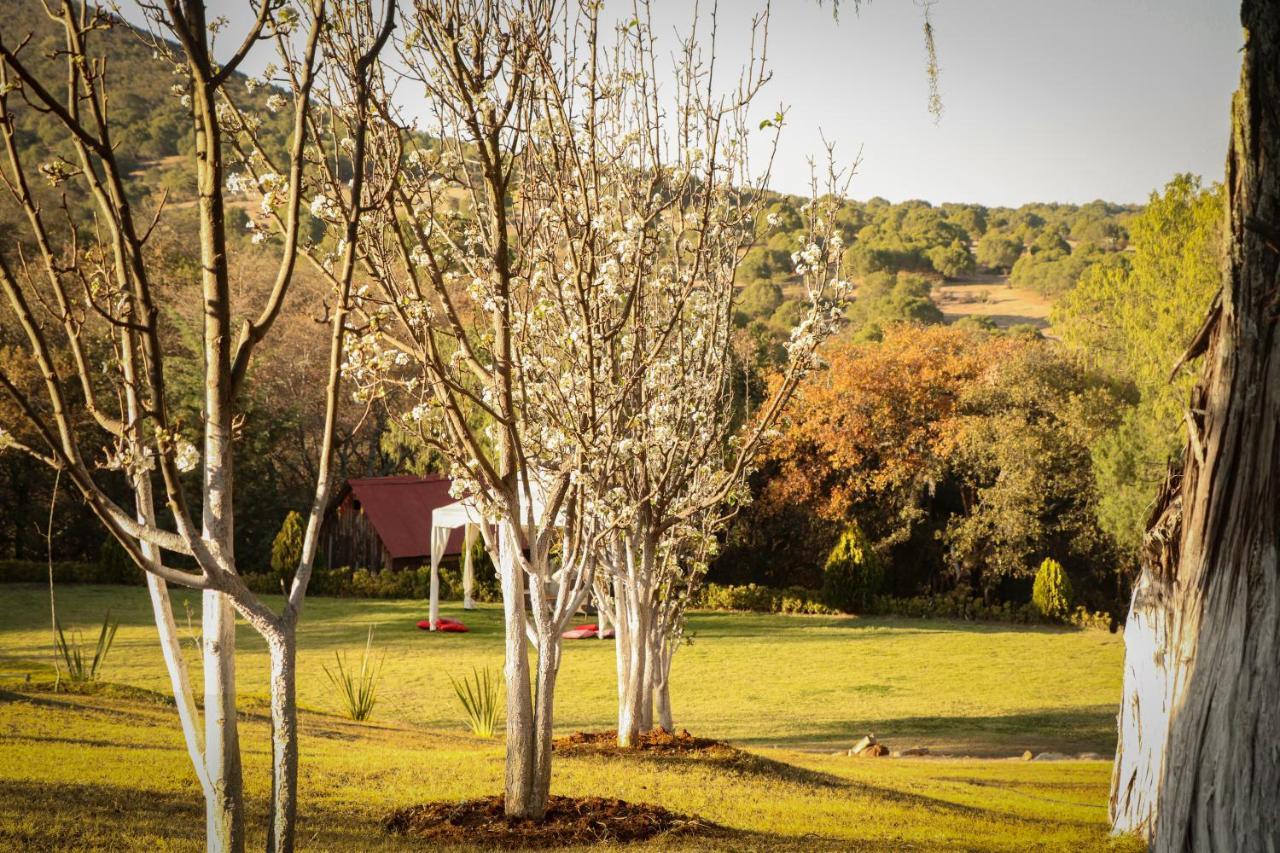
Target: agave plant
{"type": "Point", "coordinates": [79, 669]}
{"type": "Point", "coordinates": [358, 688]}
{"type": "Point", "coordinates": [478, 694]}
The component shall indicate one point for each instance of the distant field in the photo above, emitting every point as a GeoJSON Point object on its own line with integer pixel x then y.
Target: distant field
{"type": "Point", "coordinates": [991, 296]}
{"type": "Point", "coordinates": [108, 770]}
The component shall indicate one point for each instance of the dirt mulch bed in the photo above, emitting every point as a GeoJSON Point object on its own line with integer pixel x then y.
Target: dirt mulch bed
{"type": "Point", "coordinates": [569, 821]}
{"type": "Point", "coordinates": [683, 748]}
{"type": "Point", "coordinates": [656, 741]}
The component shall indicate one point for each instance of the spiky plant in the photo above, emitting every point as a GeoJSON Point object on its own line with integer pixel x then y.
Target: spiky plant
{"type": "Point", "coordinates": [358, 688]}
{"type": "Point", "coordinates": [479, 695]}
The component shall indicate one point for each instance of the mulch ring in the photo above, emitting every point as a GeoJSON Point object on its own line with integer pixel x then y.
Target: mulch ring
{"type": "Point", "coordinates": [569, 821]}
{"type": "Point", "coordinates": [657, 741]}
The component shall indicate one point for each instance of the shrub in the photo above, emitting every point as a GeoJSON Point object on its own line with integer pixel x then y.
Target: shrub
{"type": "Point", "coordinates": [286, 549]}
{"type": "Point", "coordinates": [81, 670]}
{"type": "Point", "coordinates": [358, 689]}
{"type": "Point", "coordinates": [37, 571]}
{"type": "Point", "coordinates": [1051, 593]}
{"type": "Point", "coordinates": [852, 575]}
{"type": "Point", "coordinates": [479, 697]}
{"type": "Point", "coordinates": [760, 599]}
{"type": "Point", "coordinates": [114, 564]}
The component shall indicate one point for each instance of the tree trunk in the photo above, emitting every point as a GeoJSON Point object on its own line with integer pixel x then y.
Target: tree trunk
{"type": "Point", "coordinates": [544, 715]}
{"type": "Point", "coordinates": [179, 678]}
{"type": "Point", "coordinates": [284, 741]}
{"type": "Point", "coordinates": [225, 810]}
{"type": "Point", "coordinates": [1219, 783]}
{"type": "Point", "coordinates": [630, 714]}
{"type": "Point", "coordinates": [662, 684]}
{"type": "Point", "coordinates": [520, 764]}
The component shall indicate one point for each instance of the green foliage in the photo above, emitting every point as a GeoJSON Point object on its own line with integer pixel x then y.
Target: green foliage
{"type": "Point", "coordinates": [1132, 317]}
{"type": "Point", "coordinates": [358, 689]}
{"type": "Point", "coordinates": [852, 574]}
{"type": "Point", "coordinates": [758, 300]}
{"type": "Point", "coordinates": [884, 300]}
{"type": "Point", "coordinates": [1052, 592]}
{"type": "Point", "coordinates": [286, 548]}
{"type": "Point", "coordinates": [998, 251]}
{"type": "Point", "coordinates": [114, 564]}
{"type": "Point", "coordinates": [1051, 268]}
{"type": "Point", "coordinates": [953, 260]}
{"type": "Point", "coordinates": [37, 571]}
{"type": "Point", "coordinates": [479, 694]}
{"type": "Point", "coordinates": [79, 669]}
{"type": "Point", "coordinates": [753, 598]}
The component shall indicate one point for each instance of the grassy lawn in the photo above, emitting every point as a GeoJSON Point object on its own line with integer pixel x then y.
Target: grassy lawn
{"type": "Point", "coordinates": [109, 769]}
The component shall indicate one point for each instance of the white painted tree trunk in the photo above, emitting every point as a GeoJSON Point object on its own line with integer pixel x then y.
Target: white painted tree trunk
{"type": "Point", "coordinates": [544, 715]}
{"type": "Point", "coordinates": [225, 813]}
{"type": "Point", "coordinates": [1143, 721]}
{"type": "Point", "coordinates": [520, 762]}
{"type": "Point", "coordinates": [660, 678]}
{"type": "Point", "coordinates": [634, 680]}
{"type": "Point", "coordinates": [284, 741]}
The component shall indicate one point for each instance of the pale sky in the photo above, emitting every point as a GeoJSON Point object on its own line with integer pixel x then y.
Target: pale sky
{"type": "Point", "coordinates": [1044, 100]}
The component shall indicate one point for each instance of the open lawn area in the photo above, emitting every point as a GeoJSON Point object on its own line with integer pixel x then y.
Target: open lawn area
{"type": "Point", "coordinates": [108, 769]}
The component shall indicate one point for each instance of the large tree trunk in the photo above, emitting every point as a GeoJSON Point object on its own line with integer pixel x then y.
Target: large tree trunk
{"type": "Point", "coordinates": [1219, 780]}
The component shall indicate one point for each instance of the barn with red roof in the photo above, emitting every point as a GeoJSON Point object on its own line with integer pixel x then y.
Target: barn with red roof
{"type": "Point", "coordinates": [385, 523]}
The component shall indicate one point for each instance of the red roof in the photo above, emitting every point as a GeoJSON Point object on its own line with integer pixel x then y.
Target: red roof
{"type": "Point", "coordinates": [399, 508]}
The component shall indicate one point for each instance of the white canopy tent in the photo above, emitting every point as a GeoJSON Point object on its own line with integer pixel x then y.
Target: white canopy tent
{"type": "Point", "coordinates": [465, 514]}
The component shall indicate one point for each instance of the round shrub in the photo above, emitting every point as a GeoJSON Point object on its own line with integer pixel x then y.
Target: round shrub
{"type": "Point", "coordinates": [852, 575]}
{"type": "Point", "coordinates": [114, 563]}
{"type": "Point", "coordinates": [1051, 593]}
{"type": "Point", "coordinates": [286, 549]}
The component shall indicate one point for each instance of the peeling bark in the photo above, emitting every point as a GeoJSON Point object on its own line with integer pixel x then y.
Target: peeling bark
{"type": "Point", "coordinates": [1218, 764]}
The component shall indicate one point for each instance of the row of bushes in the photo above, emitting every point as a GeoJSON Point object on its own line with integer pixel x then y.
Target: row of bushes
{"type": "Point", "coordinates": [37, 571]}
{"type": "Point", "coordinates": [760, 599]}
{"type": "Point", "coordinates": [956, 605]}
{"type": "Point", "coordinates": [344, 582]}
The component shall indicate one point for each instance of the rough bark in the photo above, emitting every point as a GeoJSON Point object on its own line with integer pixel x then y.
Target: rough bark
{"type": "Point", "coordinates": [284, 741]}
{"type": "Point", "coordinates": [520, 719]}
{"type": "Point", "coordinates": [1219, 780]}
{"type": "Point", "coordinates": [225, 813]}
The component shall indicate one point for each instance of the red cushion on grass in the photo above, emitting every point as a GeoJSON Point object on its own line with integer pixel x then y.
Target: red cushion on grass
{"type": "Point", "coordinates": [579, 633]}
{"type": "Point", "coordinates": [591, 627]}
{"type": "Point", "coordinates": [452, 626]}
{"type": "Point", "coordinates": [607, 634]}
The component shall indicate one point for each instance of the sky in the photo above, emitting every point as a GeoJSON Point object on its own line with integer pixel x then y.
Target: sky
{"type": "Point", "coordinates": [1043, 100]}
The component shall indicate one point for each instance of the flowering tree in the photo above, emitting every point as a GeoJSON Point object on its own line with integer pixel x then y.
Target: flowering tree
{"type": "Point", "coordinates": [93, 287]}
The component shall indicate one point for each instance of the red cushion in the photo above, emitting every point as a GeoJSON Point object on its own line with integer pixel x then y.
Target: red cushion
{"type": "Point", "coordinates": [452, 626]}
{"type": "Point", "coordinates": [587, 628]}
{"type": "Point", "coordinates": [580, 633]}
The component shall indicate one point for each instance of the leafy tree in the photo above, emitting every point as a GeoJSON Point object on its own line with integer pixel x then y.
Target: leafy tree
{"type": "Point", "coordinates": [286, 550]}
{"type": "Point", "coordinates": [951, 261]}
{"type": "Point", "coordinates": [759, 300]}
{"type": "Point", "coordinates": [852, 574]}
{"type": "Point", "coordinates": [1133, 316]}
{"type": "Point", "coordinates": [998, 251]}
{"type": "Point", "coordinates": [1051, 593]}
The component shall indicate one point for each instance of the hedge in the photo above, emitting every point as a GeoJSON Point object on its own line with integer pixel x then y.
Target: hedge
{"type": "Point", "coordinates": [37, 571]}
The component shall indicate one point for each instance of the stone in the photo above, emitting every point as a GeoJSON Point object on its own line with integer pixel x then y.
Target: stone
{"type": "Point", "coordinates": [1028, 755]}
{"type": "Point", "coordinates": [1053, 756]}
{"type": "Point", "coordinates": [915, 750]}
{"type": "Point", "coordinates": [876, 750]}
{"type": "Point", "coordinates": [1091, 756]}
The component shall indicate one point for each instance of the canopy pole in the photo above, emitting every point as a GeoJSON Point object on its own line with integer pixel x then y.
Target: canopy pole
{"type": "Point", "coordinates": [438, 544]}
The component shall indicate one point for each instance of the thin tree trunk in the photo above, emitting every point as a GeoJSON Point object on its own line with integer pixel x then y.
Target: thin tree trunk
{"type": "Point", "coordinates": [284, 741]}
{"type": "Point", "coordinates": [520, 764]}
{"type": "Point", "coordinates": [544, 705]}
{"type": "Point", "coordinates": [662, 684]}
{"type": "Point", "coordinates": [631, 714]}
{"type": "Point", "coordinates": [1219, 785]}
{"type": "Point", "coordinates": [225, 809]}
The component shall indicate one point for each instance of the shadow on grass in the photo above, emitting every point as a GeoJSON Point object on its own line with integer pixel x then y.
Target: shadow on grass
{"type": "Point", "coordinates": [714, 623]}
{"type": "Point", "coordinates": [1091, 729]}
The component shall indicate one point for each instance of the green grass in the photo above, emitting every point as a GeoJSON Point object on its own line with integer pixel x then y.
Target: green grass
{"type": "Point", "coordinates": [108, 769]}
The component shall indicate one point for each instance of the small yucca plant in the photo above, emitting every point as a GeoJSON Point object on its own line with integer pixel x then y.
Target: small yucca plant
{"type": "Point", "coordinates": [79, 669]}
{"type": "Point", "coordinates": [479, 697]}
{"type": "Point", "coordinates": [357, 688]}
